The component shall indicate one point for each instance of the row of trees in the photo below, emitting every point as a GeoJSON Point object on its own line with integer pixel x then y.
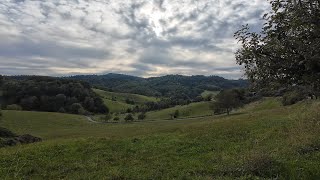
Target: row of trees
{"type": "Point", "coordinates": [51, 94]}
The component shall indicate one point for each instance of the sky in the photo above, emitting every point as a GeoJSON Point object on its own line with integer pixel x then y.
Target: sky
{"type": "Point", "coordinates": [136, 37]}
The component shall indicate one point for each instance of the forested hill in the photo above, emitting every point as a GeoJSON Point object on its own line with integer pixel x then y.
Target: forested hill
{"type": "Point", "coordinates": [49, 94]}
{"type": "Point", "coordinates": [167, 86]}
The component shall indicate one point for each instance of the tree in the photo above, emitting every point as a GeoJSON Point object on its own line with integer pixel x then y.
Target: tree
{"type": "Point", "coordinates": [14, 107]}
{"type": "Point", "coordinates": [142, 116]}
{"type": "Point", "coordinates": [75, 108]}
{"type": "Point", "coordinates": [1, 115]}
{"type": "Point", "coordinates": [107, 117]}
{"type": "Point", "coordinates": [227, 100]}
{"type": "Point", "coordinates": [286, 51]}
{"type": "Point", "coordinates": [176, 114]}
{"type": "Point", "coordinates": [129, 117]}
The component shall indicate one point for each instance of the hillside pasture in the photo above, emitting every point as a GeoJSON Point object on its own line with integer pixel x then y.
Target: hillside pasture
{"type": "Point", "coordinates": [259, 142]}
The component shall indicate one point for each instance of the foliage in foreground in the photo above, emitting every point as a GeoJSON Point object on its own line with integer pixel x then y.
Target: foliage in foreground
{"type": "Point", "coordinates": [286, 52]}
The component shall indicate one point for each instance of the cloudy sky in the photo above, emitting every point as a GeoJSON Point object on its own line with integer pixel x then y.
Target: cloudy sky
{"type": "Point", "coordinates": [137, 37]}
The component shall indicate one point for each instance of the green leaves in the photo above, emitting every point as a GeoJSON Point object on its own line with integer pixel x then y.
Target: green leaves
{"type": "Point", "coordinates": [287, 47]}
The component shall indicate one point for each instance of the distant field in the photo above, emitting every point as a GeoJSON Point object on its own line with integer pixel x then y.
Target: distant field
{"type": "Point", "coordinates": [263, 140]}
{"type": "Point", "coordinates": [116, 102]}
{"type": "Point", "coordinates": [116, 106]}
{"type": "Point", "coordinates": [208, 93]}
{"type": "Point", "coordinates": [121, 97]}
{"type": "Point", "coordinates": [191, 110]}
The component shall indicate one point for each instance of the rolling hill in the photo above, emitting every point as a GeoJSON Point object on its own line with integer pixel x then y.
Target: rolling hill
{"type": "Point", "coordinates": [190, 110]}
{"type": "Point", "coordinates": [173, 86]}
{"type": "Point", "coordinates": [263, 140]}
{"type": "Point", "coordinates": [117, 102]}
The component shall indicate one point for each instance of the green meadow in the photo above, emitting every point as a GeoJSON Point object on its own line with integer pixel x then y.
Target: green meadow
{"type": "Point", "coordinates": [185, 111]}
{"type": "Point", "coordinates": [116, 102]}
{"type": "Point", "coordinates": [263, 140]}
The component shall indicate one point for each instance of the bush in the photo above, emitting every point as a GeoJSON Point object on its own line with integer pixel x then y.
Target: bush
{"type": "Point", "coordinates": [14, 107]}
{"type": "Point", "coordinates": [116, 119]}
{"type": "Point", "coordinates": [107, 117]}
{"type": "Point", "coordinates": [142, 116]}
{"type": "Point", "coordinates": [292, 97]}
{"type": "Point", "coordinates": [82, 111]}
{"type": "Point", "coordinates": [62, 110]}
{"type": "Point", "coordinates": [76, 108]}
{"type": "Point", "coordinates": [176, 114]}
{"type": "Point", "coordinates": [5, 133]}
{"type": "Point", "coordinates": [129, 117]}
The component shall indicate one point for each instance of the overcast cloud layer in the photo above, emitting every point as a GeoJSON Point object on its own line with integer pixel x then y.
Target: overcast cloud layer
{"type": "Point", "coordinates": [137, 37]}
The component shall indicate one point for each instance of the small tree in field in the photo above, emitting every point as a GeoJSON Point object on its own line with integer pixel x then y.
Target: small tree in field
{"type": "Point", "coordinates": [227, 100]}
{"type": "Point", "coordinates": [107, 117]}
{"type": "Point", "coordinates": [176, 114]}
{"type": "Point", "coordinates": [142, 116]}
{"type": "Point", "coordinates": [129, 117]}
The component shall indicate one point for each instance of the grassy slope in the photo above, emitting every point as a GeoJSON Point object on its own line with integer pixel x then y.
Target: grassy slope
{"type": "Point", "coordinates": [120, 105]}
{"type": "Point", "coordinates": [43, 124]}
{"type": "Point", "coordinates": [116, 106]}
{"type": "Point", "coordinates": [191, 110]}
{"type": "Point", "coordinates": [207, 93]}
{"type": "Point", "coordinates": [263, 140]}
{"type": "Point", "coordinates": [139, 99]}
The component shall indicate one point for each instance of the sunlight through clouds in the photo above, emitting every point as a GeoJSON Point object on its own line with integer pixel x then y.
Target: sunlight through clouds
{"type": "Point", "coordinates": [141, 37]}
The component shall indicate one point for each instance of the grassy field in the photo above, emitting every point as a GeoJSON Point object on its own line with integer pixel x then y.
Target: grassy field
{"type": "Point", "coordinates": [191, 110]}
{"type": "Point", "coordinates": [208, 93]}
{"type": "Point", "coordinates": [121, 97]}
{"type": "Point", "coordinates": [116, 106]}
{"type": "Point", "coordinates": [263, 140]}
{"type": "Point", "coordinates": [186, 111]}
{"type": "Point", "coordinates": [116, 102]}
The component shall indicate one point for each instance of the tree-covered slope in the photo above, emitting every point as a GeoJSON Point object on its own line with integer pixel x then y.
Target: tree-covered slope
{"type": "Point", "coordinates": [173, 86]}
{"type": "Point", "coordinates": [50, 94]}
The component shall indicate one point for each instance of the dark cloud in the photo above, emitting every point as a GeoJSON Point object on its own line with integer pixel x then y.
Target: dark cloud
{"type": "Point", "coordinates": [28, 48]}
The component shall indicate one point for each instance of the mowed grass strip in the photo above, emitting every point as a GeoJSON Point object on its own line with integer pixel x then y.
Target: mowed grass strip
{"type": "Point", "coordinates": [279, 142]}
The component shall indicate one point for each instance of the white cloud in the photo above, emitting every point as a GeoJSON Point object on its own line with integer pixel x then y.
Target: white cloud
{"type": "Point", "coordinates": [141, 37]}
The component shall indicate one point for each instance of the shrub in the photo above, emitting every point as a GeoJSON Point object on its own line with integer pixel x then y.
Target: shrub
{"type": "Point", "coordinates": [5, 133]}
{"type": "Point", "coordinates": [14, 107]}
{"type": "Point", "coordinates": [176, 114]}
{"type": "Point", "coordinates": [62, 110]}
{"type": "Point", "coordinates": [142, 116]}
{"type": "Point", "coordinates": [82, 111]}
{"type": "Point", "coordinates": [76, 108]}
{"type": "Point", "coordinates": [262, 165]}
{"type": "Point", "coordinates": [292, 97]}
{"type": "Point", "coordinates": [116, 119]}
{"type": "Point", "coordinates": [107, 117]}
{"type": "Point", "coordinates": [129, 117]}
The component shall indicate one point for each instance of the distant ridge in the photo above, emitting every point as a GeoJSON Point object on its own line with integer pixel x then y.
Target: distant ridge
{"type": "Point", "coordinates": [173, 86]}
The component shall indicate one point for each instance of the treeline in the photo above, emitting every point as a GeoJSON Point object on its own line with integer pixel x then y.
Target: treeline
{"type": "Point", "coordinates": [176, 87]}
{"type": "Point", "coordinates": [50, 94]}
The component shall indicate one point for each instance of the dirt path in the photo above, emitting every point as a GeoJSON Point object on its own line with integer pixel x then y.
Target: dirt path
{"type": "Point", "coordinates": [91, 120]}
